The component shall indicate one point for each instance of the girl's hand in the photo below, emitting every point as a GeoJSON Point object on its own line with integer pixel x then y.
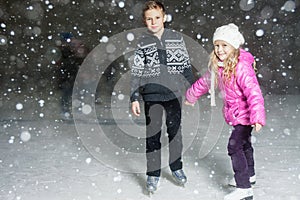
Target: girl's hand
{"type": "Point", "coordinates": [257, 127]}
{"type": "Point", "coordinates": [188, 103]}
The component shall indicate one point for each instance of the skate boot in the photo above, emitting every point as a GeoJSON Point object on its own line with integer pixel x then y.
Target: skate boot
{"type": "Point", "coordinates": [179, 177]}
{"type": "Point", "coordinates": [240, 194]}
{"type": "Point", "coordinates": [152, 183]}
{"type": "Point", "coordinates": [252, 180]}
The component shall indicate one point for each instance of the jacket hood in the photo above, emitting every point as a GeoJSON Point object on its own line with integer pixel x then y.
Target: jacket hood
{"type": "Point", "coordinates": [245, 57]}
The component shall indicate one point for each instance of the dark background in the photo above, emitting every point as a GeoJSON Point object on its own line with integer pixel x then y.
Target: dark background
{"type": "Point", "coordinates": [30, 35]}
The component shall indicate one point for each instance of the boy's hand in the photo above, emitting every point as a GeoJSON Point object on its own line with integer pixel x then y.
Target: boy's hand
{"type": "Point", "coordinates": [135, 108]}
{"type": "Point", "coordinates": [188, 103]}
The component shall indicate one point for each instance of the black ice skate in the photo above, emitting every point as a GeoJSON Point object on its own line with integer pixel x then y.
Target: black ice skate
{"type": "Point", "coordinates": [152, 183]}
{"type": "Point", "coordinates": [179, 177]}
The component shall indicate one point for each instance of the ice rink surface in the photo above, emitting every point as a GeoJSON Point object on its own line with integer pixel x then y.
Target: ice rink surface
{"type": "Point", "coordinates": [45, 159]}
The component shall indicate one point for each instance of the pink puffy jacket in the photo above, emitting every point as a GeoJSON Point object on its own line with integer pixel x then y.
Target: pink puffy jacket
{"type": "Point", "coordinates": [243, 100]}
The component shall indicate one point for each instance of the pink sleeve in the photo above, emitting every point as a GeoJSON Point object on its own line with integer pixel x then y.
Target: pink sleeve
{"type": "Point", "coordinates": [199, 88]}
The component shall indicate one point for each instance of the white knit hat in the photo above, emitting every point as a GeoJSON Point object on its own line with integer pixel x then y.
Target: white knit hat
{"type": "Point", "coordinates": [230, 34]}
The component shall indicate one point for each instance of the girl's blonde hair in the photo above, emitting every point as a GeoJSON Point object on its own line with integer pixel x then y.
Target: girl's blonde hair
{"type": "Point", "coordinates": [229, 65]}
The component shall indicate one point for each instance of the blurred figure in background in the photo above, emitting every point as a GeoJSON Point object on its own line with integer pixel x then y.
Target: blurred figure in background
{"type": "Point", "coordinates": [73, 53]}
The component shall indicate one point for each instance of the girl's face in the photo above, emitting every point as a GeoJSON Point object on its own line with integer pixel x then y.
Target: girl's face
{"type": "Point", "coordinates": [222, 49]}
{"type": "Point", "coordinates": [154, 20]}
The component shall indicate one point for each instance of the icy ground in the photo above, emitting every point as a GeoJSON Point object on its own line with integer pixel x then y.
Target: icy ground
{"type": "Point", "coordinates": [53, 164]}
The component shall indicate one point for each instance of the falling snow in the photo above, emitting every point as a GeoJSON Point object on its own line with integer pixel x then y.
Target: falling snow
{"type": "Point", "coordinates": [25, 136]}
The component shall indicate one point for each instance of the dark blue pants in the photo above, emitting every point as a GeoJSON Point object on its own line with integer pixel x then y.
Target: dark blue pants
{"type": "Point", "coordinates": [66, 99]}
{"type": "Point", "coordinates": [154, 113]}
{"type": "Point", "coordinates": [241, 152]}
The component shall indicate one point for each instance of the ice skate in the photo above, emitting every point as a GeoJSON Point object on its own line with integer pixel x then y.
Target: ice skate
{"type": "Point", "coordinates": [252, 180]}
{"type": "Point", "coordinates": [179, 177]}
{"type": "Point", "coordinates": [152, 183]}
{"type": "Point", "coordinates": [240, 194]}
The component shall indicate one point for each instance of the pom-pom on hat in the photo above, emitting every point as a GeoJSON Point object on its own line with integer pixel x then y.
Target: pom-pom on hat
{"type": "Point", "coordinates": [229, 33]}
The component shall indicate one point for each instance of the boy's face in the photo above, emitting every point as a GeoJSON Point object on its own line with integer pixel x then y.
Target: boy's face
{"type": "Point", "coordinates": [154, 20]}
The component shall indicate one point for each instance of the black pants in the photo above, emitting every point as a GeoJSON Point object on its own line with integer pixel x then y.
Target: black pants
{"type": "Point", "coordinates": [154, 113]}
{"type": "Point", "coordinates": [241, 152]}
{"type": "Point", "coordinates": [66, 99]}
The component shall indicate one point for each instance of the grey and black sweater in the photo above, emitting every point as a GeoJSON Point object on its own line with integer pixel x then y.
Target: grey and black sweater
{"type": "Point", "coordinates": [161, 69]}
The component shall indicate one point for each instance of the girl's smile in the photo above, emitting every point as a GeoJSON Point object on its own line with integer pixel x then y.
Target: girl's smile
{"type": "Point", "coordinates": [222, 49]}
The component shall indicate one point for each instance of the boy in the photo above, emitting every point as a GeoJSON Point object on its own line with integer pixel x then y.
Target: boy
{"type": "Point", "coordinates": [159, 73]}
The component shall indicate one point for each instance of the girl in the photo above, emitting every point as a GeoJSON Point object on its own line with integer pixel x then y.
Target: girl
{"type": "Point", "coordinates": [231, 68]}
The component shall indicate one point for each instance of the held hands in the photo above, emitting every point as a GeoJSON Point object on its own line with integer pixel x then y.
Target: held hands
{"type": "Point", "coordinates": [135, 108]}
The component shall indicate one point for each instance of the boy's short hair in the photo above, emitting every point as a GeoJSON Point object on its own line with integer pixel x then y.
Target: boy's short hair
{"type": "Point", "coordinates": [153, 5]}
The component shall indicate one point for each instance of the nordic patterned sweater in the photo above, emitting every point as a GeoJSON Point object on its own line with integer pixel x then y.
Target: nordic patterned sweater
{"type": "Point", "coordinates": [161, 69]}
